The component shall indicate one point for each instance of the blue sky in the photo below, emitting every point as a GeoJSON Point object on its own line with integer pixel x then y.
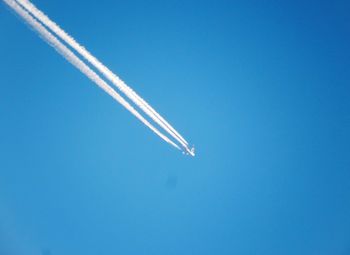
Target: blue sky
{"type": "Point", "coordinates": [261, 89]}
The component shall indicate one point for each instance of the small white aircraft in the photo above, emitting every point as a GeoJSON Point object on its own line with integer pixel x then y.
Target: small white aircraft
{"type": "Point", "coordinates": [188, 151]}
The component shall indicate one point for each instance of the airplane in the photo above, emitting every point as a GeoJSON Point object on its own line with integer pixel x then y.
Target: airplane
{"type": "Point", "coordinates": [188, 151]}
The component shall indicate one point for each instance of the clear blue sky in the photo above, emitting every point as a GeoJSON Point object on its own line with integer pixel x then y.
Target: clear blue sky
{"type": "Point", "coordinates": [261, 88]}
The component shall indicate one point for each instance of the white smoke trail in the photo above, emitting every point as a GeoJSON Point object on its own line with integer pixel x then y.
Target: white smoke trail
{"type": "Point", "coordinates": [75, 61]}
{"type": "Point", "coordinates": [104, 70]}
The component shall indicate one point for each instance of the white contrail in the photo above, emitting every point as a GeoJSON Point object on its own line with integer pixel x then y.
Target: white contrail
{"type": "Point", "coordinates": [75, 61]}
{"type": "Point", "coordinates": [104, 70]}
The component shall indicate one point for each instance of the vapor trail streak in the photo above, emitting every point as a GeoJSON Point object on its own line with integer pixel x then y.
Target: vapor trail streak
{"type": "Point", "coordinates": [104, 70]}
{"type": "Point", "coordinates": [75, 61]}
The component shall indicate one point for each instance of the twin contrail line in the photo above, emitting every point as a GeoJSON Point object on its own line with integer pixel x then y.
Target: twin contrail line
{"type": "Point", "coordinates": [31, 8]}
{"type": "Point", "coordinates": [75, 61]}
{"type": "Point", "coordinates": [31, 15]}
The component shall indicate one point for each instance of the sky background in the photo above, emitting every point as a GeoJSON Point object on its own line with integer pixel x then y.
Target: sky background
{"type": "Point", "coordinates": [261, 88]}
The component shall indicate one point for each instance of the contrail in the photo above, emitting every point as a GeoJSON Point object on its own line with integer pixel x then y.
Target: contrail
{"type": "Point", "coordinates": [79, 64]}
{"type": "Point", "coordinates": [104, 70]}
